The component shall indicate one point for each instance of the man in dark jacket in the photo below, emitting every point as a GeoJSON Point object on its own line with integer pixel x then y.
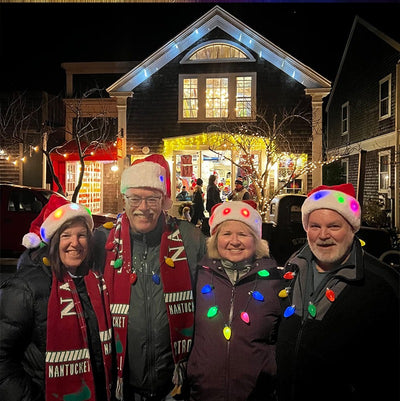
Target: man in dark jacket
{"type": "Point", "coordinates": [240, 192]}
{"type": "Point", "coordinates": [149, 267]}
{"type": "Point", "coordinates": [339, 338]}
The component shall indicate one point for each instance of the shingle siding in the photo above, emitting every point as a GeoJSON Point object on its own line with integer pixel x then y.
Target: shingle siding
{"type": "Point", "coordinates": [153, 109]}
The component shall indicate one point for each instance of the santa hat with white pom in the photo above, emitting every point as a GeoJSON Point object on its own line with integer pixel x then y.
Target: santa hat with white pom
{"type": "Point", "coordinates": [151, 172]}
{"type": "Point", "coordinates": [54, 214]}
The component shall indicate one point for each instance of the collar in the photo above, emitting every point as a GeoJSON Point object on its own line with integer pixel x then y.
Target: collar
{"type": "Point", "coordinates": [350, 270]}
{"type": "Point", "coordinates": [244, 264]}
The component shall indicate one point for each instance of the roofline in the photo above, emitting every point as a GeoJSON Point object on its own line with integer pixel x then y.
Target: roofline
{"type": "Point", "coordinates": [218, 17]}
{"type": "Point", "coordinates": [375, 31]}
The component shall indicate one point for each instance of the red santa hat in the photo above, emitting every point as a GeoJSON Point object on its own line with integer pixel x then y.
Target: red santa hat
{"type": "Point", "coordinates": [54, 214]}
{"type": "Point", "coordinates": [340, 198]}
{"type": "Point", "coordinates": [244, 211]}
{"type": "Point", "coordinates": [150, 172]}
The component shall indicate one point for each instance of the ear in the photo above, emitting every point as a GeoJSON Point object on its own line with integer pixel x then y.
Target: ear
{"type": "Point", "coordinates": [166, 203]}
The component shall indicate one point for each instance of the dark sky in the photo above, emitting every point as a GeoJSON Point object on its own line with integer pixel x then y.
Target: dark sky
{"type": "Point", "coordinates": [36, 38]}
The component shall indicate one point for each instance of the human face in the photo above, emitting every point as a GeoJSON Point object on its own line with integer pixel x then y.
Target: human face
{"type": "Point", "coordinates": [143, 217]}
{"type": "Point", "coordinates": [330, 237]}
{"type": "Point", "coordinates": [235, 241]}
{"type": "Point", "coordinates": [74, 246]}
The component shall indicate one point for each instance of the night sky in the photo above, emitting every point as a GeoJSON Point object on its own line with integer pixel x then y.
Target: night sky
{"type": "Point", "coordinates": [36, 38]}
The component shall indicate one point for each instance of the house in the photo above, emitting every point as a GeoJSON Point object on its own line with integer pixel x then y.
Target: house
{"type": "Point", "coordinates": [217, 71]}
{"type": "Point", "coordinates": [26, 119]}
{"type": "Point", "coordinates": [363, 113]}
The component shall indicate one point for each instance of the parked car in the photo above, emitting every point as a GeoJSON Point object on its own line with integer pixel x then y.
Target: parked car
{"type": "Point", "coordinates": [19, 206]}
{"type": "Point", "coordinates": [283, 229]}
{"type": "Point", "coordinates": [285, 234]}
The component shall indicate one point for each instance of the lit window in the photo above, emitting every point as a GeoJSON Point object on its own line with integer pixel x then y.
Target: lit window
{"type": "Point", "coordinates": [243, 96]}
{"type": "Point", "coordinates": [384, 171]}
{"type": "Point", "coordinates": [190, 100]}
{"type": "Point", "coordinates": [384, 97]}
{"type": "Point", "coordinates": [218, 96]}
{"type": "Point", "coordinates": [217, 51]}
{"type": "Point", "coordinates": [345, 118]}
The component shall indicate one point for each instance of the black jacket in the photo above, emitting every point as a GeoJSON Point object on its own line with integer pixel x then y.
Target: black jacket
{"type": "Point", "coordinates": [350, 349]}
{"type": "Point", "coordinates": [23, 330]}
{"type": "Point", "coordinates": [213, 197]}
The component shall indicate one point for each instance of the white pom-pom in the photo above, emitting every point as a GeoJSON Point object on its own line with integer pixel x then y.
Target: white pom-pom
{"type": "Point", "coordinates": [31, 240]}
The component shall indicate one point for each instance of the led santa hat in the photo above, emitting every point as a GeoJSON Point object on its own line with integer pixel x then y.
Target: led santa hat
{"type": "Point", "coordinates": [150, 172]}
{"type": "Point", "coordinates": [340, 198]}
{"type": "Point", "coordinates": [54, 214]}
{"type": "Point", "coordinates": [244, 211]}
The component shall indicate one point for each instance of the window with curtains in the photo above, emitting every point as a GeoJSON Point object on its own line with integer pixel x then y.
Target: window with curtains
{"type": "Point", "coordinates": [213, 97]}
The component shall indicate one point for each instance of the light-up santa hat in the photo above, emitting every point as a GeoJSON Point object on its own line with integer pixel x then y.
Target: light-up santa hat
{"type": "Point", "coordinates": [54, 214]}
{"type": "Point", "coordinates": [244, 211]}
{"type": "Point", "coordinates": [340, 198]}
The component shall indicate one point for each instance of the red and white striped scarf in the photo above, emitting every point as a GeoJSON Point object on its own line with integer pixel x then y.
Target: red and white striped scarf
{"type": "Point", "coordinates": [177, 288]}
{"type": "Point", "coordinates": [69, 374]}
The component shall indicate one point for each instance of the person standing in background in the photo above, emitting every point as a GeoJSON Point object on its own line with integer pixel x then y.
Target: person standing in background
{"type": "Point", "coordinates": [198, 202]}
{"type": "Point", "coordinates": [213, 193]}
{"type": "Point", "coordinates": [55, 322]}
{"type": "Point", "coordinates": [339, 338]}
{"type": "Point", "coordinates": [149, 261]}
{"type": "Point", "coordinates": [240, 192]}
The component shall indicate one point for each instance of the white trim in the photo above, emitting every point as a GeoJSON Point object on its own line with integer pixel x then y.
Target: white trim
{"type": "Point", "coordinates": [381, 154]}
{"type": "Point", "coordinates": [347, 106]}
{"type": "Point", "coordinates": [219, 18]}
{"type": "Point", "coordinates": [388, 79]}
{"type": "Point", "coordinates": [376, 143]}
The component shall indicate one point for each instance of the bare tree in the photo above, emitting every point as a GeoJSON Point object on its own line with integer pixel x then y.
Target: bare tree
{"type": "Point", "coordinates": [89, 131]}
{"type": "Point", "coordinates": [278, 138]}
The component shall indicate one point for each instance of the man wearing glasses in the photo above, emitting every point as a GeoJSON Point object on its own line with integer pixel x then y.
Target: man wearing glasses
{"type": "Point", "coordinates": [150, 260]}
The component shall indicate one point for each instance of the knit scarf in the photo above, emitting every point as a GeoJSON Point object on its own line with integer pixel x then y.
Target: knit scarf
{"type": "Point", "coordinates": [177, 288]}
{"type": "Point", "coordinates": [68, 368]}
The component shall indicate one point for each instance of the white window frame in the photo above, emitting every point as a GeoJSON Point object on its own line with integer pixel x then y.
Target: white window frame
{"type": "Point", "coordinates": [381, 154]}
{"type": "Point", "coordinates": [387, 79]}
{"type": "Point", "coordinates": [201, 90]}
{"type": "Point", "coordinates": [250, 58]}
{"type": "Point", "coordinates": [345, 106]}
{"type": "Point", "coordinates": [345, 165]}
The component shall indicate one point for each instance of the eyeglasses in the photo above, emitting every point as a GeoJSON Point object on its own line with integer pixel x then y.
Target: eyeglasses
{"type": "Point", "coordinates": [135, 201]}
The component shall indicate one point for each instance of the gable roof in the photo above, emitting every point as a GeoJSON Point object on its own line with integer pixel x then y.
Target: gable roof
{"type": "Point", "coordinates": [219, 18]}
{"type": "Point", "coordinates": [372, 29]}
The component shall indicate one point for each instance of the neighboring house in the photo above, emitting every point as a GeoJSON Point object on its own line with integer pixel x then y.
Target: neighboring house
{"type": "Point", "coordinates": [218, 70]}
{"type": "Point", "coordinates": [363, 116]}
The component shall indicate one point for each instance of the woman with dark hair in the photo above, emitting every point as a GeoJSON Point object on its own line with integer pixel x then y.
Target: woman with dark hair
{"type": "Point", "coordinates": [213, 193]}
{"type": "Point", "coordinates": [198, 202]}
{"type": "Point", "coordinates": [55, 322]}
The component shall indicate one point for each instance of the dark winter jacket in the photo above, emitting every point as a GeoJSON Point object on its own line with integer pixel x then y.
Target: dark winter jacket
{"type": "Point", "coordinates": [23, 330]}
{"type": "Point", "coordinates": [350, 349]}
{"type": "Point", "coordinates": [213, 197]}
{"type": "Point", "coordinates": [243, 367]}
{"type": "Point", "coordinates": [149, 366]}
{"type": "Point", "coordinates": [198, 205]}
